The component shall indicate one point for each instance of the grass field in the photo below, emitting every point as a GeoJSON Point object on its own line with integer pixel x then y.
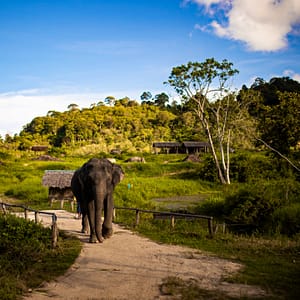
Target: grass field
{"type": "Point", "coordinates": [168, 183]}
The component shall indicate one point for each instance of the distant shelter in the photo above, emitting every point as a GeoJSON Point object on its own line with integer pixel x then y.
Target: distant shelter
{"type": "Point", "coordinates": [192, 147]}
{"type": "Point", "coordinates": [59, 186]}
{"type": "Point", "coordinates": [188, 147]}
{"type": "Point", "coordinates": [167, 147]}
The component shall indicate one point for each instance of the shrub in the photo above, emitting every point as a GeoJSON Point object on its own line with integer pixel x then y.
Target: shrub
{"type": "Point", "coordinates": [209, 171]}
{"type": "Point", "coordinates": [286, 220]}
{"type": "Point", "coordinates": [250, 207]}
{"type": "Point", "coordinates": [245, 167]}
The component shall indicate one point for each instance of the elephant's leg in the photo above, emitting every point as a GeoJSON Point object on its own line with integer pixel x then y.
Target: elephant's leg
{"type": "Point", "coordinates": [91, 218]}
{"type": "Point", "coordinates": [98, 217]}
{"type": "Point", "coordinates": [84, 218]}
{"type": "Point", "coordinates": [107, 230]}
{"type": "Point", "coordinates": [84, 223]}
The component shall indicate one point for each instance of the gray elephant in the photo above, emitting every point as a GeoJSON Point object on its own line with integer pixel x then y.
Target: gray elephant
{"type": "Point", "coordinates": [93, 185]}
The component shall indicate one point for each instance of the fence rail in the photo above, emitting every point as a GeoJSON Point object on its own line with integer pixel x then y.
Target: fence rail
{"type": "Point", "coordinates": [156, 215]}
{"type": "Point", "coordinates": [168, 215]}
{"type": "Point", "coordinates": [26, 209]}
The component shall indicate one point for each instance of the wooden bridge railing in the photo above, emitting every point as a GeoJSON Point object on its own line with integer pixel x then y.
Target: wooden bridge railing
{"type": "Point", "coordinates": [54, 228]}
{"type": "Point", "coordinates": [168, 215]}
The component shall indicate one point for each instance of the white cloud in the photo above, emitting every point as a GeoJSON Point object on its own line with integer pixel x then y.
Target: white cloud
{"type": "Point", "coordinates": [292, 74]}
{"type": "Point", "coordinates": [263, 25]}
{"type": "Point", "coordinates": [18, 108]}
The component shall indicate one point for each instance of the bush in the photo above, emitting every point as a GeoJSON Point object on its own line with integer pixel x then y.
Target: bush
{"type": "Point", "coordinates": [286, 220]}
{"type": "Point", "coordinates": [245, 167]}
{"type": "Point", "coordinates": [250, 207]}
{"type": "Point", "coordinates": [209, 171]}
{"type": "Point", "coordinates": [26, 252]}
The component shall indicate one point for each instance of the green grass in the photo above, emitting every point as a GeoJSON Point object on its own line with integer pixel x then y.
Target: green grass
{"type": "Point", "coordinates": [27, 258]}
{"type": "Point", "coordinates": [273, 263]}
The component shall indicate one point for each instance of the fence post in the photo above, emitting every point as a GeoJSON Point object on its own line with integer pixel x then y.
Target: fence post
{"type": "Point", "coordinates": [36, 216]}
{"type": "Point", "coordinates": [54, 231]}
{"type": "Point", "coordinates": [137, 217]}
{"type": "Point", "coordinates": [172, 221]}
{"type": "Point", "coordinates": [114, 214]}
{"type": "Point", "coordinates": [3, 208]}
{"type": "Point", "coordinates": [210, 227]}
{"type": "Point", "coordinates": [25, 213]}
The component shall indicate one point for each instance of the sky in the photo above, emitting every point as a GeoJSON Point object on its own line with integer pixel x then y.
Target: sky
{"type": "Point", "coordinates": [59, 52]}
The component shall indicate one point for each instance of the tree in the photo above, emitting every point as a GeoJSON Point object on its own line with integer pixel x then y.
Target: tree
{"type": "Point", "coordinates": [206, 84]}
{"type": "Point", "coordinates": [73, 106]}
{"type": "Point", "coordinates": [146, 98]}
{"type": "Point", "coordinates": [110, 100]}
{"type": "Point", "coordinates": [161, 99]}
{"type": "Point", "coordinates": [276, 107]}
{"type": "Point", "coordinates": [280, 126]}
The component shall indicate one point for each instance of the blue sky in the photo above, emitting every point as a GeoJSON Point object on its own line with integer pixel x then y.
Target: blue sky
{"type": "Point", "coordinates": [57, 52]}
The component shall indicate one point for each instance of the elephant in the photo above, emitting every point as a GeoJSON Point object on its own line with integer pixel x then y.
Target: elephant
{"type": "Point", "coordinates": [93, 185]}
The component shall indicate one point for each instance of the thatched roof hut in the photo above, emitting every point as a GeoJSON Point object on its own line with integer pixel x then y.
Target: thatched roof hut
{"type": "Point", "coordinates": [57, 178]}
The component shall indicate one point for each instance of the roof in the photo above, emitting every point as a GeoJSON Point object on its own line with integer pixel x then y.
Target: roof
{"type": "Point", "coordinates": [187, 144]}
{"type": "Point", "coordinates": [166, 144]}
{"type": "Point", "coordinates": [57, 178]}
{"type": "Point", "coordinates": [195, 144]}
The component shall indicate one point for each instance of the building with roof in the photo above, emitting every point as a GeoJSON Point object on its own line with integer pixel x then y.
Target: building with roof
{"type": "Point", "coordinates": [59, 186]}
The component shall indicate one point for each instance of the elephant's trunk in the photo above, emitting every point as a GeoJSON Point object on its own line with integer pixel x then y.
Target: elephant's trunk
{"type": "Point", "coordinates": [99, 198]}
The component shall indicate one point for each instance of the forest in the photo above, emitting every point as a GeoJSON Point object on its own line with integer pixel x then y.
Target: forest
{"type": "Point", "coordinates": [270, 110]}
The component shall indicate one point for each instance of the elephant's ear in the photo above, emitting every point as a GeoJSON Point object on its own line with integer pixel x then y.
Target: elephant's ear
{"type": "Point", "coordinates": [117, 174]}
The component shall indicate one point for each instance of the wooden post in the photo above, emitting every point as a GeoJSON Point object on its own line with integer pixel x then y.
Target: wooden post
{"type": "Point", "coordinates": [114, 214]}
{"type": "Point", "coordinates": [3, 208]}
{"type": "Point", "coordinates": [137, 217]}
{"type": "Point", "coordinates": [54, 231]}
{"type": "Point", "coordinates": [36, 216]}
{"type": "Point", "coordinates": [172, 221]}
{"type": "Point", "coordinates": [224, 227]}
{"type": "Point", "coordinates": [210, 227]}
{"type": "Point", "coordinates": [26, 214]}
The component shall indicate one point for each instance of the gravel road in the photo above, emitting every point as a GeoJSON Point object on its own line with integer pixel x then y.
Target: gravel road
{"type": "Point", "coordinates": [128, 266]}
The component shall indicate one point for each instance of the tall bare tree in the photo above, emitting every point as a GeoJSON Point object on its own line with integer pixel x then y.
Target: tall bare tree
{"type": "Point", "coordinates": [207, 86]}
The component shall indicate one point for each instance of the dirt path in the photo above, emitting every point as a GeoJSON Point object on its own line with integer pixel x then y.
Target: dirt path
{"type": "Point", "coordinates": [128, 266]}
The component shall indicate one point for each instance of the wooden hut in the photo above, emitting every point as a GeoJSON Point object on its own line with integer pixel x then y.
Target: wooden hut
{"type": "Point", "coordinates": [195, 147]}
{"type": "Point", "coordinates": [59, 185]}
{"type": "Point", "coordinates": [167, 147]}
{"type": "Point", "coordinates": [188, 147]}
{"type": "Point", "coordinates": [39, 148]}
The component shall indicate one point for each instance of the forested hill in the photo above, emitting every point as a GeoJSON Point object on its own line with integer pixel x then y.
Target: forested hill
{"type": "Point", "coordinates": [127, 124]}
{"type": "Point", "coordinates": [133, 126]}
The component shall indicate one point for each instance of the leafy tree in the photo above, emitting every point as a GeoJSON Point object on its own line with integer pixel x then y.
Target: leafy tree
{"type": "Point", "coordinates": [275, 105]}
{"type": "Point", "coordinates": [110, 100]}
{"type": "Point", "coordinates": [161, 100]}
{"type": "Point", "coordinates": [146, 96]}
{"type": "Point", "coordinates": [73, 106]}
{"type": "Point", "coordinates": [206, 85]}
{"type": "Point", "coordinates": [280, 126]}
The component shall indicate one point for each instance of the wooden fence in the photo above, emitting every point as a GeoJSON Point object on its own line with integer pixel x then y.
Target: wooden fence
{"type": "Point", "coordinates": [168, 215]}
{"type": "Point", "coordinates": [54, 228]}
{"type": "Point", "coordinates": [156, 215]}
